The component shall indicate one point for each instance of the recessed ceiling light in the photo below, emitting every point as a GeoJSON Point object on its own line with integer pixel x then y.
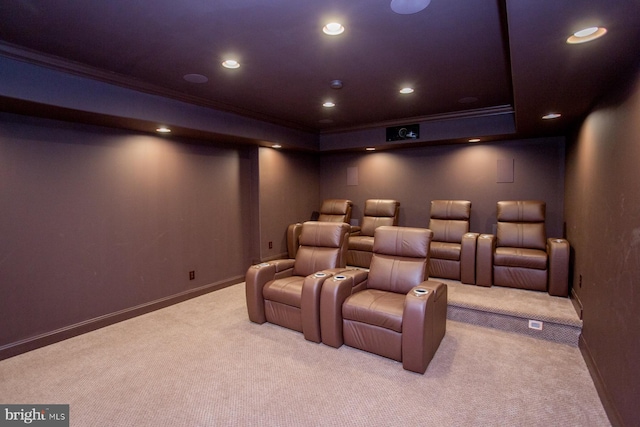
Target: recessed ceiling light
{"type": "Point", "coordinates": [406, 90]}
{"type": "Point", "coordinates": [370, 149]}
{"type": "Point", "coordinates": [474, 140]}
{"type": "Point", "coordinates": [333, 29]}
{"type": "Point", "coordinates": [551, 116]}
{"type": "Point", "coordinates": [329, 104]}
{"type": "Point", "coordinates": [586, 35]}
{"type": "Point", "coordinates": [195, 78]}
{"type": "Point", "coordinates": [406, 7]}
{"type": "Point", "coordinates": [163, 129]}
{"type": "Point", "coordinates": [230, 63]}
{"type": "Point", "coordinates": [276, 146]}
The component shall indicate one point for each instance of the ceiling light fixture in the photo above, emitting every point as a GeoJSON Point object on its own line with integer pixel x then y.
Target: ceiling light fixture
{"type": "Point", "coordinates": [163, 129]}
{"type": "Point", "coordinates": [333, 29]}
{"type": "Point", "coordinates": [474, 140]}
{"type": "Point", "coordinates": [276, 146]}
{"type": "Point", "coordinates": [407, 7]}
{"type": "Point", "coordinates": [551, 116]}
{"type": "Point", "coordinates": [370, 149]}
{"type": "Point", "coordinates": [329, 104]}
{"type": "Point", "coordinates": [230, 63]}
{"type": "Point", "coordinates": [406, 90]}
{"type": "Point", "coordinates": [587, 35]}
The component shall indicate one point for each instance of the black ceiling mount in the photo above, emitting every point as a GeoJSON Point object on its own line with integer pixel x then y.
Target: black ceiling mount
{"type": "Point", "coordinates": [400, 133]}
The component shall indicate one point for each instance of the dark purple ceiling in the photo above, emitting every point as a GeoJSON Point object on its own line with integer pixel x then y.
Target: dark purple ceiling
{"type": "Point", "coordinates": [495, 53]}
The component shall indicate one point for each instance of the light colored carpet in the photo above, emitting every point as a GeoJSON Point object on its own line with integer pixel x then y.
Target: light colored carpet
{"type": "Point", "coordinates": [202, 363]}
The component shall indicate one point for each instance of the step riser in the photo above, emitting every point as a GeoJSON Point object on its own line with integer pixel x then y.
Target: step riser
{"type": "Point", "coordinates": [555, 332]}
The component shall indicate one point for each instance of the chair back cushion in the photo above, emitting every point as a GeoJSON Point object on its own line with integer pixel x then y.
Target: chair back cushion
{"type": "Point", "coordinates": [400, 258]}
{"type": "Point", "coordinates": [449, 220]}
{"type": "Point", "coordinates": [336, 210]}
{"type": "Point", "coordinates": [378, 212]}
{"type": "Point", "coordinates": [323, 245]}
{"type": "Point", "coordinates": [521, 224]}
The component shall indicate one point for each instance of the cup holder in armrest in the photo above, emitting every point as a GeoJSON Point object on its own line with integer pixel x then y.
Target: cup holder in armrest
{"type": "Point", "coordinates": [320, 274]}
{"type": "Point", "coordinates": [420, 292]}
{"type": "Point", "coordinates": [262, 264]}
{"type": "Point", "coordinates": [339, 277]}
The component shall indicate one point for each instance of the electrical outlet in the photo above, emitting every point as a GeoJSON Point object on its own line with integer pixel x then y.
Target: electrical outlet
{"type": "Point", "coordinates": [192, 275]}
{"type": "Point", "coordinates": [270, 245]}
{"type": "Point", "coordinates": [535, 324]}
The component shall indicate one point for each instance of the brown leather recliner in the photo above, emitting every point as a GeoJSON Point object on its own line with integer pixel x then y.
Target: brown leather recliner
{"type": "Point", "coordinates": [453, 248]}
{"type": "Point", "coordinates": [287, 291]}
{"type": "Point", "coordinates": [520, 255]}
{"type": "Point", "coordinates": [377, 212]}
{"type": "Point", "coordinates": [332, 210]}
{"type": "Point", "coordinates": [392, 310]}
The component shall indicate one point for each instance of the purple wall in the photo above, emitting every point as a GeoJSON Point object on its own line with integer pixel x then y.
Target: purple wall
{"type": "Point", "coordinates": [96, 220]}
{"type": "Point", "coordinates": [470, 172]}
{"type": "Point", "coordinates": [603, 226]}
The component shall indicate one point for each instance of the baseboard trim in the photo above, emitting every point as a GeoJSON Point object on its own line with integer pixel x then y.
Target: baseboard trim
{"type": "Point", "coordinates": [577, 304]}
{"type": "Point", "coordinates": [42, 340]}
{"type": "Point", "coordinates": [601, 388]}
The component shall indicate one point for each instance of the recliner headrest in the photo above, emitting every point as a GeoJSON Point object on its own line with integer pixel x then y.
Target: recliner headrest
{"type": "Point", "coordinates": [325, 234]}
{"type": "Point", "coordinates": [402, 241]}
{"type": "Point", "coordinates": [451, 209]}
{"type": "Point", "coordinates": [335, 206]}
{"type": "Point", "coordinates": [380, 207]}
{"type": "Point", "coordinates": [521, 211]}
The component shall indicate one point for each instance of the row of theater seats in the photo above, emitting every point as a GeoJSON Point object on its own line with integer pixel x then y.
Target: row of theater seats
{"type": "Point", "coordinates": [392, 309]}
{"type": "Point", "coordinates": [519, 255]}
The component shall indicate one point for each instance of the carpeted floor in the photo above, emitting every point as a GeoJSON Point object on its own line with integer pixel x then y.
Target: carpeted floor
{"type": "Point", "coordinates": [202, 363]}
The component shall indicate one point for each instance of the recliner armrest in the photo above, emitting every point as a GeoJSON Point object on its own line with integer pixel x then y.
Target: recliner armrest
{"type": "Point", "coordinates": [293, 238]}
{"type": "Point", "coordinates": [424, 322]}
{"type": "Point", "coordinates": [255, 279]}
{"type": "Point", "coordinates": [282, 265]}
{"type": "Point", "coordinates": [468, 258]}
{"type": "Point", "coordinates": [558, 251]}
{"type": "Point", "coordinates": [334, 292]}
{"type": "Point", "coordinates": [310, 302]}
{"type": "Point", "coordinates": [485, 248]}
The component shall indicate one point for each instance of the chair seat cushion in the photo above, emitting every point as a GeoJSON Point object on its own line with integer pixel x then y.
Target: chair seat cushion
{"type": "Point", "coordinates": [287, 290]}
{"type": "Point", "coordinates": [361, 243]}
{"type": "Point", "coordinates": [444, 250]}
{"type": "Point", "coordinates": [520, 257]}
{"type": "Point", "coordinates": [375, 307]}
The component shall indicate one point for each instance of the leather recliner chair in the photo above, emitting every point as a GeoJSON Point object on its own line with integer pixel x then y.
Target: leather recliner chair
{"type": "Point", "coordinates": [392, 310]}
{"type": "Point", "coordinates": [520, 255]}
{"type": "Point", "coordinates": [332, 210]}
{"type": "Point", "coordinates": [377, 212]}
{"type": "Point", "coordinates": [453, 248]}
{"type": "Point", "coordinates": [287, 291]}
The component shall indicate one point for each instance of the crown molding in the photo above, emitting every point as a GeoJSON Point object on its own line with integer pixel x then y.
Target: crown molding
{"type": "Point", "coordinates": [454, 115]}
{"type": "Point", "coordinates": [82, 70]}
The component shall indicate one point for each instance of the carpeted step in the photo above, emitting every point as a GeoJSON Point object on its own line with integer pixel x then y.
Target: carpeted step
{"type": "Point", "coordinates": [530, 313]}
